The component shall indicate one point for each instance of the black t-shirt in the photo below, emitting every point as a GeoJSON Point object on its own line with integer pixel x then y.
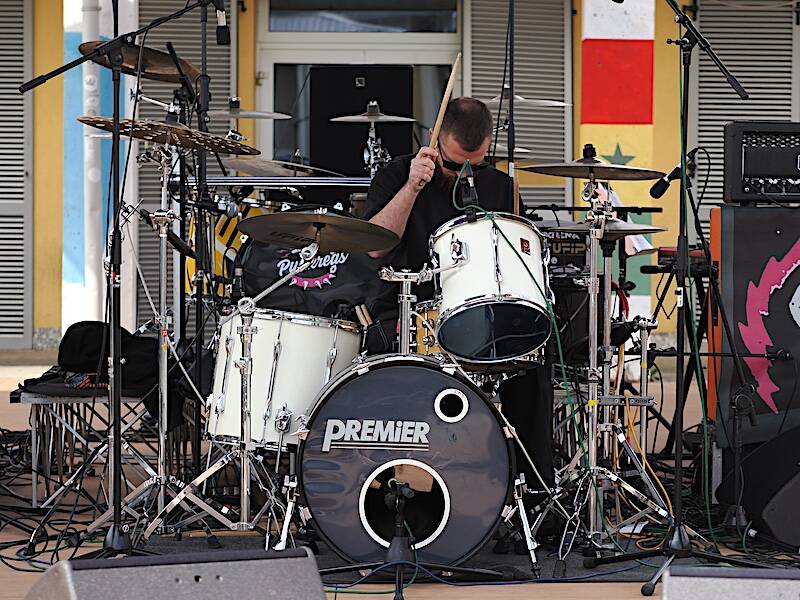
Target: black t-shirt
{"type": "Point", "coordinates": [432, 208]}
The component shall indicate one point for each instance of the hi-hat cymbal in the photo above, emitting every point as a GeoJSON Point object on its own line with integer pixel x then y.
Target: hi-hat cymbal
{"type": "Point", "coordinates": [156, 65]}
{"type": "Point", "coordinates": [259, 167]}
{"type": "Point", "coordinates": [171, 134]}
{"type": "Point", "coordinates": [614, 229]}
{"type": "Point", "coordinates": [235, 111]}
{"type": "Point", "coordinates": [586, 168]}
{"type": "Point", "coordinates": [336, 232]}
{"type": "Point", "coordinates": [372, 115]}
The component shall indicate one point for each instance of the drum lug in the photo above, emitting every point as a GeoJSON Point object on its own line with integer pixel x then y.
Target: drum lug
{"type": "Point", "coordinates": [508, 512]}
{"type": "Point", "coordinates": [282, 420]}
{"type": "Point", "coordinates": [304, 514]}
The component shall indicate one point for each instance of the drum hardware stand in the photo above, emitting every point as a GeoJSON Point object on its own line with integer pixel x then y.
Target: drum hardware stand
{"type": "Point", "coordinates": [678, 543]}
{"type": "Point", "coordinates": [375, 155]}
{"type": "Point", "coordinates": [406, 299]}
{"type": "Point", "coordinates": [244, 451]}
{"type": "Point", "coordinates": [292, 495]}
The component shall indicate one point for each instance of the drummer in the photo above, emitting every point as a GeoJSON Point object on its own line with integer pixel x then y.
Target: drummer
{"type": "Point", "coordinates": [412, 196]}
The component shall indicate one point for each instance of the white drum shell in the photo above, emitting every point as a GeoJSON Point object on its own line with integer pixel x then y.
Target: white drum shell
{"type": "Point", "coordinates": [493, 271]}
{"type": "Point", "coordinates": [302, 370]}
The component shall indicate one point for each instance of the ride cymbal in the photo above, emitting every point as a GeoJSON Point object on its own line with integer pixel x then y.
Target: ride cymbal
{"type": "Point", "coordinates": [336, 232]}
{"type": "Point", "coordinates": [588, 168]}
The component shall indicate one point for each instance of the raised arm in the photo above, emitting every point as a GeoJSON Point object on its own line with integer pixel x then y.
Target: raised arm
{"type": "Point", "coordinates": [394, 216]}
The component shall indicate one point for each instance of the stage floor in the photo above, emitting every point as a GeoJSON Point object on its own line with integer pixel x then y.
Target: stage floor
{"type": "Point", "coordinates": [14, 585]}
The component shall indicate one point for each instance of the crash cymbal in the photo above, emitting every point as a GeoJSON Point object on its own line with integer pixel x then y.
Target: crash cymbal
{"type": "Point", "coordinates": [373, 115]}
{"type": "Point", "coordinates": [336, 232]}
{"type": "Point", "coordinates": [614, 229]}
{"type": "Point", "coordinates": [235, 111]}
{"type": "Point", "coordinates": [524, 102]}
{"type": "Point", "coordinates": [259, 167]}
{"type": "Point", "coordinates": [585, 168]}
{"type": "Point", "coordinates": [173, 134]}
{"type": "Point", "coordinates": [501, 150]}
{"type": "Point", "coordinates": [156, 65]}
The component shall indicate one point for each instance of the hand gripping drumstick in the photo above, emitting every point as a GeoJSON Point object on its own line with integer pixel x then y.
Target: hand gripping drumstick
{"type": "Point", "coordinates": [445, 99]}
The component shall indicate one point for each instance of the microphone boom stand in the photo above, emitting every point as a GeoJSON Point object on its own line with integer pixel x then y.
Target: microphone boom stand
{"type": "Point", "coordinates": [117, 540]}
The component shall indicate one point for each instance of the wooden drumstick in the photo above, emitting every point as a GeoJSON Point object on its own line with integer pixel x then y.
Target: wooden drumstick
{"type": "Point", "coordinates": [445, 99]}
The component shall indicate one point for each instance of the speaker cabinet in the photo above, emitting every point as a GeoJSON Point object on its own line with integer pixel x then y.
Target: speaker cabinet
{"type": "Point", "coordinates": [239, 575]}
{"type": "Point", "coordinates": [711, 583]}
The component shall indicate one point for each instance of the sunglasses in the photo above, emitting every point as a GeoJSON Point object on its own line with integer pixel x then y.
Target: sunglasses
{"type": "Point", "coordinates": [451, 165]}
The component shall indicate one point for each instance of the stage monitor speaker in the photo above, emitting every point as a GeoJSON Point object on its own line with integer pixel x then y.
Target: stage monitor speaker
{"type": "Point", "coordinates": [758, 251]}
{"type": "Point", "coordinates": [711, 583]}
{"type": "Point", "coordinates": [346, 90]}
{"type": "Point", "coordinates": [241, 574]}
{"type": "Point", "coordinates": [771, 494]}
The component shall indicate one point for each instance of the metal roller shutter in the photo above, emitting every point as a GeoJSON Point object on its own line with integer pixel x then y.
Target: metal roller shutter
{"type": "Point", "coordinates": [543, 39]}
{"type": "Point", "coordinates": [756, 40]}
{"type": "Point", "coordinates": [15, 166]}
{"type": "Point", "coordinates": [185, 36]}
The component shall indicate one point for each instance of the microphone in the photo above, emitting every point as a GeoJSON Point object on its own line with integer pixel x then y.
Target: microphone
{"type": "Point", "coordinates": [223, 31]}
{"type": "Point", "coordinates": [237, 289]}
{"type": "Point", "coordinates": [469, 183]}
{"type": "Point", "coordinates": [660, 187]}
{"type": "Point", "coordinates": [219, 206]}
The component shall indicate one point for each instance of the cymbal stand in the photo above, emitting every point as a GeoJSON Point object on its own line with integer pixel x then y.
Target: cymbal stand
{"type": "Point", "coordinates": [162, 219]}
{"type": "Point", "coordinates": [598, 215]}
{"type": "Point", "coordinates": [375, 155]}
{"type": "Point", "coordinates": [244, 450]}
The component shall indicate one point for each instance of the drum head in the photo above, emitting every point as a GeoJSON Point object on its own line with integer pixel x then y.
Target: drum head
{"type": "Point", "coordinates": [493, 331]}
{"type": "Point", "coordinates": [404, 418]}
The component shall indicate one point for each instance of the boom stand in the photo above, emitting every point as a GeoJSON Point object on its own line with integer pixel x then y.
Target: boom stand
{"type": "Point", "coordinates": [117, 540]}
{"type": "Point", "coordinates": [677, 543]}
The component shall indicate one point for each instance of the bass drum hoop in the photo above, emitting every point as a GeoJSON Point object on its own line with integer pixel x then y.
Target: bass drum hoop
{"type": "Point", "coordinates": [382, 361]}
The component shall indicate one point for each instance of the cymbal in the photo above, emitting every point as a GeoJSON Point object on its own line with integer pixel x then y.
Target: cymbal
{"type": "Point", "coordinates": [156, 65]}
{"type": "Point", "coordinates": [585, 168]}
{"type": "Point", "coordinates": [259, 167]}
{"type": "Point", "coordinates": [524, 102]}
{"type": "Point", "coordinates": [553, 225]}
{"type": "Point", "coordinates": [373, 115]}
{"type": "Point", "coordinates": [336, 232]}
{"type": "Point", "coordinates": [235, 111]}
{"type": "Point", "coordinates": [615, 229]}
{"type": "Point", "coordinates": [173, 134]}
{"type": "Point", "coordinates": [501, 150]}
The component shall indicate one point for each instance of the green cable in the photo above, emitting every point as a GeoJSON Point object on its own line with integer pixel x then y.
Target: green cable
{"type": "Point", "coordinates": [744, 536]}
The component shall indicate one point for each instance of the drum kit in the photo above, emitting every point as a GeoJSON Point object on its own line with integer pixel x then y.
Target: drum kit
{"type": "Point", "coordinates": [402, 451]}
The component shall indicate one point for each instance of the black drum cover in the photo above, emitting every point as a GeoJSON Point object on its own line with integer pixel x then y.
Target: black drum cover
{"type": "Point", "coordinates": [405, 412]}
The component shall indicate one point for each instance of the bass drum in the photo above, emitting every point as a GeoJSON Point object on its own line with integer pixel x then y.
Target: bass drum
{"type": "Point", "coordinates": [415, 420]}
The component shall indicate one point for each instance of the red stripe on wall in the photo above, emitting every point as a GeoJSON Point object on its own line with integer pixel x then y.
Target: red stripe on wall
{"type": "Point", "coordinates": [617, 82]}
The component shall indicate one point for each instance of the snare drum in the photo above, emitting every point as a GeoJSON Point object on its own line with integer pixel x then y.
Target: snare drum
{"type": "Point", "coordinates": [493, 307]}
{"type": "Point", "coordinates": [294, 356]}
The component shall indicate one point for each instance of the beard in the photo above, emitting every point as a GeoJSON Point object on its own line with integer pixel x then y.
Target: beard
{"type": "Point", "coordinates": [444, 179]}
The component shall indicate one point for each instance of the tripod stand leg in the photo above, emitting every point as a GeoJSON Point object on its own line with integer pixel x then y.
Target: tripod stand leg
{"type": "Point", "coordinates": [650, 587]}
